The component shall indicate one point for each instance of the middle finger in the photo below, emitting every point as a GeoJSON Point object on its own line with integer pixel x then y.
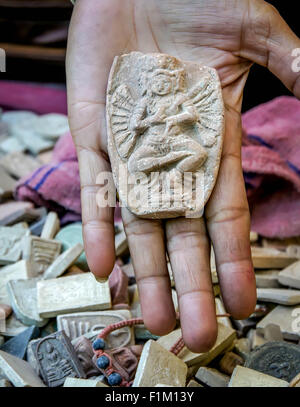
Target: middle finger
{"type": "Point", "coordinates": [189, 252]}
{"type": "Point", "coordinates": [147, 248]}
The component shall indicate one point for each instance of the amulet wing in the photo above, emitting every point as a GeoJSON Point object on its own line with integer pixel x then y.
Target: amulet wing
{"type": "Point", "coordinates": [122, 107]}
{"type": "Point", "coordinates": [205, 97]}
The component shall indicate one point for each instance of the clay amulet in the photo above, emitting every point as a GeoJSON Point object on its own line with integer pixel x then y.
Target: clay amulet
{"type": "Point", "coordinates": [165, 123]}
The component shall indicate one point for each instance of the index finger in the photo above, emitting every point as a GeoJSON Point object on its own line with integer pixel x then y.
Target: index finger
{"type": "Point", "coordinates": [89, 59]}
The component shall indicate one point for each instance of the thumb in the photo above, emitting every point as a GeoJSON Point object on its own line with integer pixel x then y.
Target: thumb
{"type": "Point", "coordinates": [268, 40]}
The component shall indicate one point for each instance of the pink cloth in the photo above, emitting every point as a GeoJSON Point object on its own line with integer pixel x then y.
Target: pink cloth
{"type": "Point", "coordinates": [271, 165]}
{"type": "Point", "coordinates": [40, 99]}
{"type": "Point", "coordinates": [56, 185]}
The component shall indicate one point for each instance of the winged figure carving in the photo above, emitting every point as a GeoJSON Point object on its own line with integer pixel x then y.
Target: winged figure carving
{"type": "Point", "coordinates": [161, 114]}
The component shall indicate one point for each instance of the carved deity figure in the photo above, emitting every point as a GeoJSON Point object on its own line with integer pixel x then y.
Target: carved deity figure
{"type": "Point", "coordinates": [165, 117]}
{"type": "Point", "coordinates": [162, 116]}
{"type": "Point", "coordinates": [55, 365]}
{"type": "Point", "coordinates": [57, 359]}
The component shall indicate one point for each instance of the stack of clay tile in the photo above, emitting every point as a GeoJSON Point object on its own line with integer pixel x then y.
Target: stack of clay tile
{"type": "Point", "coordinates": [52, 308]}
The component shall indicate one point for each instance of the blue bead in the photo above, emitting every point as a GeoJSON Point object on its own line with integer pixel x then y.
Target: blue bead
{"type": "Point", "coordinates": [114, 379]}
{"type": "Point", "coordinates": [98, 344]}
{"type": "Point", "coordinates": [102, 362]}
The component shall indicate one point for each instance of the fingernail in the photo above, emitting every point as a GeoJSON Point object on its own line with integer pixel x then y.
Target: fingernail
{"type": "Point", "coordinates": [101, 279]}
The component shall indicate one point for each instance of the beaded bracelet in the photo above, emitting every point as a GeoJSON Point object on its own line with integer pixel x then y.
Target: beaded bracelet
{"type": "Point", "coordinates": [104, 361]}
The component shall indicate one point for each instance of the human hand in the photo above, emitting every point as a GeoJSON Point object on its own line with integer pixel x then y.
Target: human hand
{"type": "Point", "coordinates": [228, 36]}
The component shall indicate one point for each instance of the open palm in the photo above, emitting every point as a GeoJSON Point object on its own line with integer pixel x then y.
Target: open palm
{"type": "Point", "coordinates": [229, 36]}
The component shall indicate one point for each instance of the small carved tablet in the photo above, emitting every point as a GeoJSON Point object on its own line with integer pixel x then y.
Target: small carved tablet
{"type": "Point", "coordinates": [57, 359]}
{"type": "Point", "coordinates": [165, 123]}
